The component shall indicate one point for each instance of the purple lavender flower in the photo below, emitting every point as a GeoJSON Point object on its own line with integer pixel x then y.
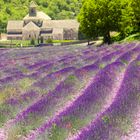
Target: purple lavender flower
{"type": "Point", "coordinates": [124, 105]}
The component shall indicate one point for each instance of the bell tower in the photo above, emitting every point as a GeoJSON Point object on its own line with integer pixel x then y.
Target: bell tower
{"type": "Point", "coordinates": [33, 9]}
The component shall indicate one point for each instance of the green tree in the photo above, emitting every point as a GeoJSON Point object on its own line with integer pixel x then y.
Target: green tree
{"type": "Point", "coordinates": [98, 18]}
{"type": "Point", "coordinates": [135, 5]}
{"type": "Point", "coordinates": [127, 26]}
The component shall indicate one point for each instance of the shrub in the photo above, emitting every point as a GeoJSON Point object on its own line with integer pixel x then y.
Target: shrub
{"type": "Point", "coordinates": [49, 40]}
{"type": "Point", "coordinates": [42, 39]}
{"type": "Point", "coordinates": [32, 41]}
{"type": "Point", "coordinates": [117, 37]}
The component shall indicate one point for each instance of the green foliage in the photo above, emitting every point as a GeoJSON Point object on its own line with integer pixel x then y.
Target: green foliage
{"type": "Point", "coordinates": [100, 17]}
{"type": "Point", "coordinates": [56, 9]}
{"type": "Point", "coordinates": [57, 133]}
{"type": "Point", "coordinates": [49, 40]}
{"type": "Point", "coordinates": [101, 66]}
{"type": "Point", "coordinates": [131, 38]}
{"type": "Point", "coordinates": [32, 41]}
{"type": "Point", "coordinates": [138, 63]}
{"type": "Point", "coordinates": [127, 19]}
{"type": "Point", "coordinates": [81, 34]}
{"type": "Point", "coordinates": [136, 10]}
{"type": "Point", "coordinates": [25, 83]}
{"type": "Point", "coordinates": [116, 38]}
{"type": "Point", "coordinates": [41, 40]}
{"type": "Point", "coordinates": [97, 18]}
{"type": "Point", "coordinates": [72, 77]}
{"type": "Point", "coordinates": [105, 119]}
{"type": "Point", "coordinates": [2, 119]}
{"type": "Point", "coordinates": [63, 41]}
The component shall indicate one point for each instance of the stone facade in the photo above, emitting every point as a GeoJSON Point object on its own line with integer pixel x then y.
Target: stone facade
{"type": "Point", "coordinates": [37, 24]}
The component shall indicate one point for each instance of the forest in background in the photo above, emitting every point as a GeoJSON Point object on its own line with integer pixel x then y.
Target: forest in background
{"type": "Point", "coordinates": [56, 9]}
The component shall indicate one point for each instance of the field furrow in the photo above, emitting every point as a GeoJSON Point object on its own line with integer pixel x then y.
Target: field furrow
{"type": "Point", "coordinates": [70, 93]}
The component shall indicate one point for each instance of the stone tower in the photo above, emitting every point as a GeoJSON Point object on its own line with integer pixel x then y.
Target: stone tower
{"type": "Point", "coordinates": [33, 9]}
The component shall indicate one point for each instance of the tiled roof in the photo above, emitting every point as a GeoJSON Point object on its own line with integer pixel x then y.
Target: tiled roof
{"type": "Point", "coordinates": [31, 27]}
{"type": "Point", "coordinates": [60, 24]}
{"type": "Point", "coordinates": [57, 30]}
{"type": "Point", "coordinates": [15, 25]}
{"type": "Point", "coordinates": [40, 15]}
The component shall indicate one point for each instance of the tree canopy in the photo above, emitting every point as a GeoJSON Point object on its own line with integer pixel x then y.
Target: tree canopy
{"type": "Point", "coordinates": [100, 17]}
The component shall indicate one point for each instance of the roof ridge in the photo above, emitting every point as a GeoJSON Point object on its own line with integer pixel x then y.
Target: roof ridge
{"type": "Point", "coordinates": [40, 14]}
{"type": "Point", "coordinates": [33, 4]}
{"type": "Point", "coordinates": [32, 24]}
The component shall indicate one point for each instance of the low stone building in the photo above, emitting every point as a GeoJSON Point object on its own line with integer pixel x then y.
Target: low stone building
{"type": "Point", "coordinates": [37, 24]}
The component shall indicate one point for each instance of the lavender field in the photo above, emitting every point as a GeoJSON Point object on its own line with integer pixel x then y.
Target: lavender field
{"type": "Point", "coordinates": [70, 93]}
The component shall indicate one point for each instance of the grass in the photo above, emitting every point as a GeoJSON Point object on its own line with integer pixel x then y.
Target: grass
{"type": "Point", "coordinates": [71, 124]}
{"type": "Point", "coordinates": [117, 38]}
{"type": "Point", "coordinates": [114, 35]}
{"type": "Point", "coordinates": [63, 41]}
{"type": "Point", "coordinates": [28, 42]}
{"type": "Point", "coordinates": [74, 123]}
{"type": "Point", "coordinates": [6, 112]}
{"type": "Point", "coordinates": [105, 119]}
{"type": "Point", "coordinates": [101, 65]}
{"type": "Point", "coordinates": [25, 83]}
{"type": "Point", "coordinates": [7, 92]}
{"type": "Point", "coordinates": [124, 123]}
{"type": "Point", "coordinates": [17, 42]}
{"type": "Point", "coordinates": [132, 38]}
{"type": "Point", "coordinates": [138, 63]}
{"type": "Point", "coordinates": [24, 127]}
{"type": "Point", "coordinates": [124, 61]}
{"type": "Point", "coordinates": [72, 79]}
{"type": "Point", "coordinates": [23, 69]}
{"type": "Point", "coordinates": [57, 133]}
{"type": "Point", "coordinates": [15, 90]}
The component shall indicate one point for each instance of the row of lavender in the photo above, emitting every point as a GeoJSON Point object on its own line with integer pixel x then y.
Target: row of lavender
{"type": "Point", "coordinates": [64, 94]}
{"type": "Point", "coordinates": [94, 101]}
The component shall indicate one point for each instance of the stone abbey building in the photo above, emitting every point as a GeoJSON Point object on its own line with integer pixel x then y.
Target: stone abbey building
{"type": "Point", "coordinates": [37, 24]}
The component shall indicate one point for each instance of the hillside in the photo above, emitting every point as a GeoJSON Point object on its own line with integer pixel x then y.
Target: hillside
{"type": "Point", "coordinates": [17, 9]}
{"type": "Point", "coordinates": [70, 93]}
